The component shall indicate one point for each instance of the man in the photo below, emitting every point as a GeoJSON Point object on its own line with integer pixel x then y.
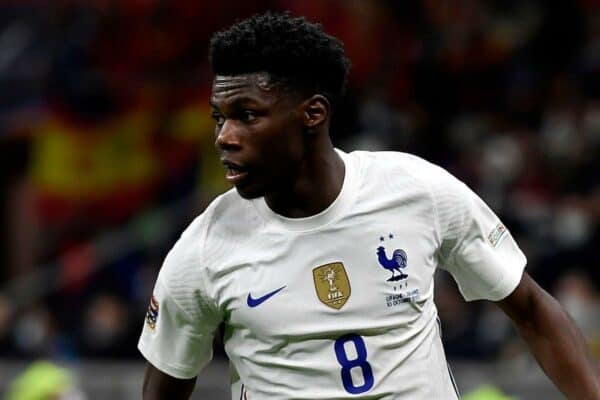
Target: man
{"type": "Point", "coordinates": [320, 264]}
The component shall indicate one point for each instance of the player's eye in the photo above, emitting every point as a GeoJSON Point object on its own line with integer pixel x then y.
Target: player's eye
{"type": "Point", "coordinates": [249, 116]}
{"type": "Point", "coordinates": [219, 119]}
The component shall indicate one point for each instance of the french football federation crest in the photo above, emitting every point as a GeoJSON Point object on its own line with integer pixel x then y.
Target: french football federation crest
{"type": "Point", "coordinates": [332, 284]}
{"type": "Point", "coordinates": [396, 263]}
{"type": "Point", "coordinates": [152, 314]}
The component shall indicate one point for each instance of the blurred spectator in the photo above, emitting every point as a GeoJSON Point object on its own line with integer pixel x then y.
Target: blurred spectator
{"type": "Point", "coordinates": [581, 299]}
{"type": "Point", "coordinates": [17, 216]}
{"type": "Point", "coordinates": [106, 326]}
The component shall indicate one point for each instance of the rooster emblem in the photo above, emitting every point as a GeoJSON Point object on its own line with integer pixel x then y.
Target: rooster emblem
{"type": "Point", "coordinates": [396, 263]}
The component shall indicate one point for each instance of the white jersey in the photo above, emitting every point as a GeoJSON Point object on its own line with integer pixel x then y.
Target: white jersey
{"type": "Point", "coordinates": [337, 305]}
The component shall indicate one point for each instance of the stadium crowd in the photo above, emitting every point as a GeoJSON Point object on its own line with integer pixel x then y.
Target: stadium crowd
{"type": "Point", "coordinates": [105, 134]}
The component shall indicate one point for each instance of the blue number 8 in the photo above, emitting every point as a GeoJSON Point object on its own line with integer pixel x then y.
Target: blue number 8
{"type": "Point", "coordinates": [360, 361]}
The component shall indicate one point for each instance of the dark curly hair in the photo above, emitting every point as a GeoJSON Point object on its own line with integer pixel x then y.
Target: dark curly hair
{"type": "Point", "coordinates": [296, 53]}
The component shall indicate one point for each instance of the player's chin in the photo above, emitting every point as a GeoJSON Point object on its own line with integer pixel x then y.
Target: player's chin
{"type": "Point", "coordinates": [250, 191]}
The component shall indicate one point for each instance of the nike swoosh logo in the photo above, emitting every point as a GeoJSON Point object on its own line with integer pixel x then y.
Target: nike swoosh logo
{"type": "Point", "coordinates": [259, 300]}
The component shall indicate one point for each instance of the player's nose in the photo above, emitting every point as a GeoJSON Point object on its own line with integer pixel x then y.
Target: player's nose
{"type": "Point", "coordinates": [228, 137]}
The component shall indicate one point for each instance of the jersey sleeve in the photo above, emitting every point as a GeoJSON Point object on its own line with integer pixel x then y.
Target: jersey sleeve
{"type": "Point", "coordinates": [181, 320]}
{"type": "Point", "coordinates": [475, 246]}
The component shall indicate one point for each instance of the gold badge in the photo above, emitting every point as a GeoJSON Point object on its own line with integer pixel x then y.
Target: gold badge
{"type": "Point", "coordinates": [332, 284]}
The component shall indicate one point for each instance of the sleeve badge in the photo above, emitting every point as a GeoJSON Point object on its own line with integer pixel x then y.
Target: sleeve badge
{"type": "Point", "coordinates": [496, 235]}
{"type": "Point", "coordinates": [152, 314]}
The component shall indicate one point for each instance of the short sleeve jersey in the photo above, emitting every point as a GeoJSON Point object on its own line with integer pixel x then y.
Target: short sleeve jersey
{"type": "Point", "coordinates": [336, 305]}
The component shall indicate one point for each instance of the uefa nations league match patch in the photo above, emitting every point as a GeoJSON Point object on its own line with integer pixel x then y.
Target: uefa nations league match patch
{"type": "Point", "coordinates": [496, 235]}
{"type": "Point", "coordinates": [152, 314]}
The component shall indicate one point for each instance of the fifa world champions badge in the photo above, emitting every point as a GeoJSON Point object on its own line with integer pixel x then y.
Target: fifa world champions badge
{"type": "Point", "coordinates": [152, 314]}
{"type": "Point", "coordinates": [332, 284]}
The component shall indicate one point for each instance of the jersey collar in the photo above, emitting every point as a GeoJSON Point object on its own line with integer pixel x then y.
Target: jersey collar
{"type": "Point", "coordinates": [332, 213]}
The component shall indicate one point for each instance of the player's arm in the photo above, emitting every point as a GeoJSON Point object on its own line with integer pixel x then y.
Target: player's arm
{"type": "Point", "coordinates": [554, 340]}
{"type": "Point", "coordinates": [160, 386]}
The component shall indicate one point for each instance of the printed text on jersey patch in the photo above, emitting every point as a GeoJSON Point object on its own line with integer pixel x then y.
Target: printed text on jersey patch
{"type": "Point", "coordinates": [496, 235]}
{"type": "Point", "coordinates": [332, 284]}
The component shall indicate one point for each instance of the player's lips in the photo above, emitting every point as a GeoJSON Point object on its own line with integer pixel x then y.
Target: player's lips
{"type": "Point", "coordinates": [235, 172]}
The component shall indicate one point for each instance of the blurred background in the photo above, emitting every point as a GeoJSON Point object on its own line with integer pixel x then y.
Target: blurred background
{"type": "Point", "coordinates": [106, 154]}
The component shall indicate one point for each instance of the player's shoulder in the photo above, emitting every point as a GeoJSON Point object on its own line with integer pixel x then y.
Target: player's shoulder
{"type": "Point", "coordinates": [227, 215]}
{"type": "Point", "coordinates": [399, 166]}
{"type": "Point", "coordinates": [222, 210]}
{"type": "Point", "coordinates": [390, 159]}
{"type": "Point", "coordinates": [230, 215]}
{"type": "Point", "coordinates": [188, 256]}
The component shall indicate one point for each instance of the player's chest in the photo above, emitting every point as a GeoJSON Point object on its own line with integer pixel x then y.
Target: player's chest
{"type": "Point", "coordinates": [355, 272]}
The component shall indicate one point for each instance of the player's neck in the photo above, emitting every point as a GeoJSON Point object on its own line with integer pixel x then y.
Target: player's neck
{"type": "Point", "coordinates": [319, 183]}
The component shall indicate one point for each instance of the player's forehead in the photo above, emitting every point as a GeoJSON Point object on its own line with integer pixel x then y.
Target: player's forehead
{"type": "Point", "coordinates": [256, 86]}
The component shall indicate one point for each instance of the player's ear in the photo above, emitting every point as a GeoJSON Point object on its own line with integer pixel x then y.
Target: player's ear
{"type": "Point", "coordinates": [316, 112]}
